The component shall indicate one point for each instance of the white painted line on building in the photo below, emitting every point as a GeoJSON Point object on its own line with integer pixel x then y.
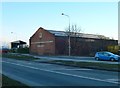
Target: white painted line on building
{"type": "Point", "coordinates": [42, 42]}
{"type": "Point", "coordinates": [90, 78]}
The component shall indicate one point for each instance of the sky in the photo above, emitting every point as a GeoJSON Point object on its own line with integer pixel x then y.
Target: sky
{"type": "Point", "coordinates": [20, 20]}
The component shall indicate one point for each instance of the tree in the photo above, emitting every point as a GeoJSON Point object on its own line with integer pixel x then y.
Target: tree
{"type": "Point", "coordinates": [74, 33]}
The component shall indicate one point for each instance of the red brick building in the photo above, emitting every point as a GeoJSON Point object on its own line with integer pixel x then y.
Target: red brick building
{"type": "Point", "coordinates": [50, 42]}
{"type": "Point", "coordinates": [42, 42]}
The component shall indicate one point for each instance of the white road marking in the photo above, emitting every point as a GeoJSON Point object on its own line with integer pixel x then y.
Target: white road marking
{"type": "Point", "coordinates": [113, 80]}
{"type": "Point", "coordinates": [72, 69]}
{"type": "Point", "coordinates": [63, 73]}
{"type": "Point", "coordinates": [29, 63]}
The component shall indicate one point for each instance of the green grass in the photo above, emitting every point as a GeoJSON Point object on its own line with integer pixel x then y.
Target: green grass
{"type": "Point", "coordinates": [19, 57]}
{"type": "Point", "coordinates": [8, 82]}
{"type": "Point", "coordinates": [98, 65]}
{"type": "Point", "coordinates": [112, 67]}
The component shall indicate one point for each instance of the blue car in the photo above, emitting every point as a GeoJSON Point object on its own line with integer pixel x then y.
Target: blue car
{"type": "Point", "coordinates": [107, 56]}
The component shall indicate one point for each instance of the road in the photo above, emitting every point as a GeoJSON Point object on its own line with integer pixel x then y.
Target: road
{"type": "Point", "coordinates": [44, 74]}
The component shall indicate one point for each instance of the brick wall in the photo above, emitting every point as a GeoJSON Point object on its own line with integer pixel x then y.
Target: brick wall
{"type": "Point", "coordinates": [42, 43]}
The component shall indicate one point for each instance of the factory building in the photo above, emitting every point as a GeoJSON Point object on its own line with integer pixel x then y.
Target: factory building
{"type": "Point", "coordinates": [51, 42]}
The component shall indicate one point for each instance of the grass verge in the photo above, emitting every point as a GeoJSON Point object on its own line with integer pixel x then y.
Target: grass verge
{"type": "Point", "coordinates": [8, 82]}
{"type": "Point", "coordinates": [94, 65]}
{"type": "Point", "coordinates": [19, 56]}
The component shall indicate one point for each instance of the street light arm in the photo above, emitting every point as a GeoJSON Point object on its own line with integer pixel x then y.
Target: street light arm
{"type": "Point", "coordinates": [65, 15]}
{"type": "Point", "coordinates": [68, 18]}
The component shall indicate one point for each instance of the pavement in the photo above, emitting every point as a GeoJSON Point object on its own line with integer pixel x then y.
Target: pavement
{"type": "Point", "coordinates": [44, 74]}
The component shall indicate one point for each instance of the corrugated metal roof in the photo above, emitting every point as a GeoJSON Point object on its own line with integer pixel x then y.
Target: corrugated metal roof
{"type": "Point", "coordinates": [19, 42]}
{"type": "Point", "coordinates": [63, 33]}
{"type": "Point", "coordinates": [58, 33]}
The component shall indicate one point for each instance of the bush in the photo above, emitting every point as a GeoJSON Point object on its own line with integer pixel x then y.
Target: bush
{"type": "Point", "coordinates": [20, 50]}
{"type": "Point", "coordinates": [23, 50]}
{"type": "Point", "coordinates": [114, 49]}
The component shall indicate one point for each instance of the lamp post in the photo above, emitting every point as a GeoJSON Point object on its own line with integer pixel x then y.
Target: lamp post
{"type": "Point", "coordinates": [69, 43]}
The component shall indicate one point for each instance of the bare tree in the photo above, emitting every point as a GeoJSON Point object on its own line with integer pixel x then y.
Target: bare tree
{"type": "Point", "coordinates": [74, 33]}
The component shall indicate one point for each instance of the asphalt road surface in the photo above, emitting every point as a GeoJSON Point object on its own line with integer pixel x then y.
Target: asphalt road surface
{"type": "Point", "coordinates": [43, 74]}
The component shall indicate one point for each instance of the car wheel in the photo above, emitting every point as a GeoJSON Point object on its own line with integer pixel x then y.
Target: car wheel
{"type": "Point", "coordinates": [112, 59]}
{"type": "Point", "coordinates": [96, 58]}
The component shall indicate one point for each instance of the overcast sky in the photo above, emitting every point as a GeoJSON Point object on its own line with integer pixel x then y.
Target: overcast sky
{"type": "Point", "coordinates": [21, 19]}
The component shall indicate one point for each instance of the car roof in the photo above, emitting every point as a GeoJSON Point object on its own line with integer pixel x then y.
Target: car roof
{"type": "Point", "coordinates": [105, 52]}
{"type": "Point", "coordinates": [102, 51]}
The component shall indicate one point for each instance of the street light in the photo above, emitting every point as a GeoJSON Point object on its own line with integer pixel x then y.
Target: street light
{"type": "Point", "coordinates": [68, 34]}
